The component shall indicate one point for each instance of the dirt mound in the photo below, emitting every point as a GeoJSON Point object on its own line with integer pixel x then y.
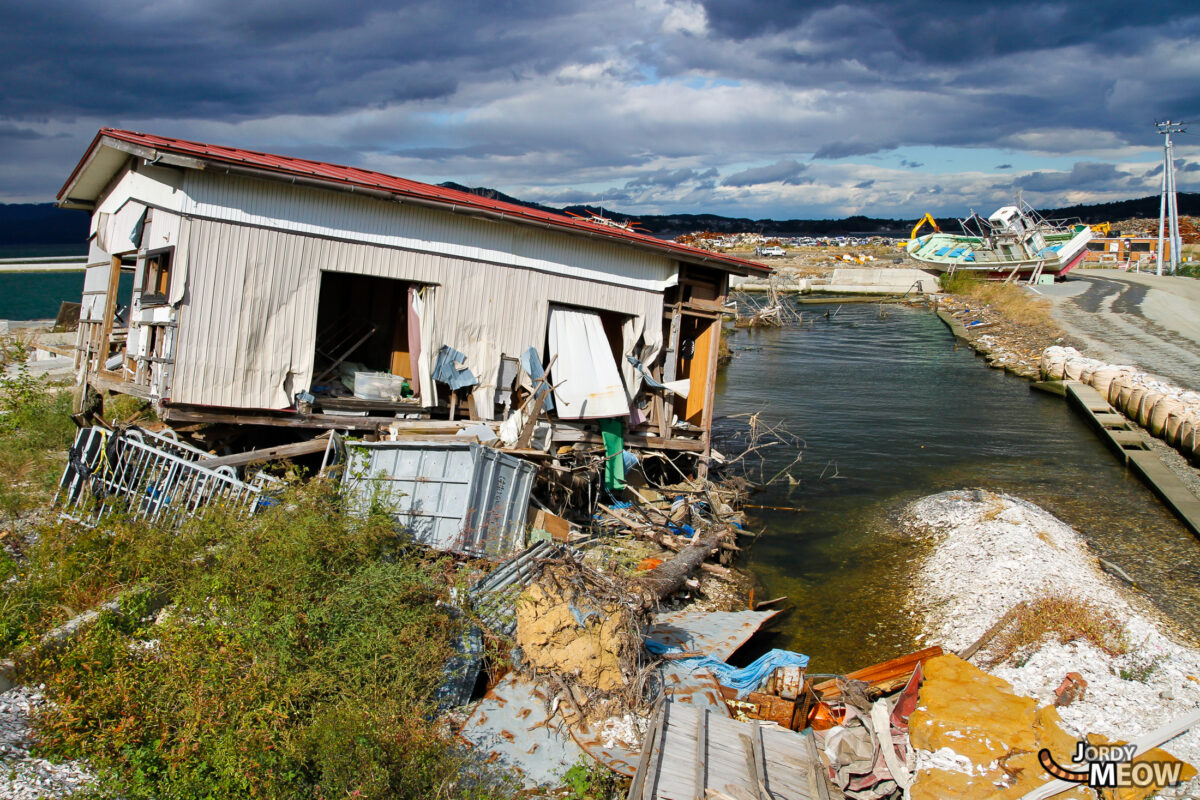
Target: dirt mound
{"type": "Point", "coordinates": [573, 623]}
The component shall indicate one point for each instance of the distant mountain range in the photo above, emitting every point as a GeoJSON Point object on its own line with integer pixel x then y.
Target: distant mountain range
{"type": "Point", "coordinates": [29, 229]}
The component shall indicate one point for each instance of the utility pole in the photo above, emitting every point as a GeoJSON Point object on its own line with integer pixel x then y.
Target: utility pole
{"type": "Point", "coordinates": [1168, 209]}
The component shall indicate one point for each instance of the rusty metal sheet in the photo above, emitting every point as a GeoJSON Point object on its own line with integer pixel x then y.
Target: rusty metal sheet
{"type": "Point", "coordinates": [494, 597]}
{"type": "Point", "coordinates": [715, 633]}
{"type": "Point", "coordinates": [692, 687]}
{"type": "Point", "coordinates": [616, 756]}
{"type": "Point", "coordinates": [510, 727]}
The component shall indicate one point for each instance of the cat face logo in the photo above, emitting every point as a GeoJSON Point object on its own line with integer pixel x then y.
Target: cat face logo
{"type": "Point", "coordinates": [1111, 766]}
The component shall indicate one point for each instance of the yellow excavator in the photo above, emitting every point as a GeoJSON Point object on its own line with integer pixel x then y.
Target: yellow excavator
{"type": "Point", "coordinates": [925, 220]}
{"type": "Point", "coordinates": [1103, 229]}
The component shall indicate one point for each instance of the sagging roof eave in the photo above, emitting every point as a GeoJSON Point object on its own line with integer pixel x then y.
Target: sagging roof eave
{"type": "Point", "coordinates": [688, 255]}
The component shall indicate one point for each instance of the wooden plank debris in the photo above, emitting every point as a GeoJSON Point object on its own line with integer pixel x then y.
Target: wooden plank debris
{"type": "Point", "coordinates": [692, 753]}
{"type": "Point", "coordinates": [881, 678]}
{"type": "Point", "coordinates": [277, 453]}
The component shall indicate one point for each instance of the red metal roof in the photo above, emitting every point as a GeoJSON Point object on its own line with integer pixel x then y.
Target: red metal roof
{"type": "Point", "coordinates": [378, 181]}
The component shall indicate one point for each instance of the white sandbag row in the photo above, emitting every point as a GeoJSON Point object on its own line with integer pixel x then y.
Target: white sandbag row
{"type": "Point", "coordinates": [1167, 411]}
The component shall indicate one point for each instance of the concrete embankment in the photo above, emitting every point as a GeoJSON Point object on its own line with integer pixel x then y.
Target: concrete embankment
{"type": "Point", "coordinates": [871, 281]}
{"type": "Point", "coordinates": [44, 264]}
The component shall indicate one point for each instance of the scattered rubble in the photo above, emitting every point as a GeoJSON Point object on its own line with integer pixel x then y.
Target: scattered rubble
{"type": "Point", "coordinates": [24, 776]}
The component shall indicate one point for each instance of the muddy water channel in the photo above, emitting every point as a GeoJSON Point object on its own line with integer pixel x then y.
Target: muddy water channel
{"type": "Point", "coordinates": [891, 410]}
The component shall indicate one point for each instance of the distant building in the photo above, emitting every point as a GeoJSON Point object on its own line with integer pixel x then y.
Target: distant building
{"type": "Point", "coordinates": [266, 288]}
{"type": "Point", "coordinates": [1120, 249]}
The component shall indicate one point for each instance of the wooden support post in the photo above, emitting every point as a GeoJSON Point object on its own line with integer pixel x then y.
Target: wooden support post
{"type": "Point", "coordinates": [110, 310]}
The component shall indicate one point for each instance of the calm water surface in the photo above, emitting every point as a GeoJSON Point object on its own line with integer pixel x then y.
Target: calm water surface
{"type": "Point", "coordinates": [891, 410]}
{"type": "Point", "coordinates": [37, 295]}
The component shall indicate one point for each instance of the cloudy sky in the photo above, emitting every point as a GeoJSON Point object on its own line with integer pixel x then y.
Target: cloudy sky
{"type": "Point", "coordinates": [741, 107]}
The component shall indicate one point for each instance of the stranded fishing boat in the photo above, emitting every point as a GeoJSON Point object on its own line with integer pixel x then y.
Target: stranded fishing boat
{"type": "Point", "coordinates": [1013, 243]}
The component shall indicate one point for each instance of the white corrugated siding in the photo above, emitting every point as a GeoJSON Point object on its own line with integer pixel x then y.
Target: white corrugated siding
{"type": "Point", "coordinates": [248, 322]}
{"type": "Point", "coordinates": [365, 219]}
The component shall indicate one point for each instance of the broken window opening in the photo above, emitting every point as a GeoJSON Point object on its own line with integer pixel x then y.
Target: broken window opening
{"type": "Point", "coordinates": [156, 278]}
{"type": "Point", "coordinates": [363, 358]}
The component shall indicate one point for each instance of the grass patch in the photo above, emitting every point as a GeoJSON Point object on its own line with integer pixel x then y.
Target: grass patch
{"type": "Point", "coordinates": [1014, 303]}
{"type": "Point", "coordinates": [297, 655]}
{"type": "Point", "coordinates": [35, 429]}
{"type": "Point", "coordinates": [297, 660]}
{"type": "Point", "coordinates": [1061, 619]}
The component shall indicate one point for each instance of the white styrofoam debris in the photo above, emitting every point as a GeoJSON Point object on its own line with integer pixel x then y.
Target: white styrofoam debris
{"type": "Point", "coordinates": [993, 551]}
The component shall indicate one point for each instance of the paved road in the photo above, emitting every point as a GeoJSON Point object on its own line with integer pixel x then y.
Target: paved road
{"type": "Point", "coordinates": [1133, 318]}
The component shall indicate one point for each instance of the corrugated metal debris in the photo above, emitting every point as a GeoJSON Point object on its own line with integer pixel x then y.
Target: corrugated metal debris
{"type": "Point", "coordinates": [453, 496]}
{"type": "Point", "coordinates": [494, 597]}
{"type": "Point", "coordinates": [715, 633]}
{"type": "Point", "coordinates": [514, 725]}
{"type": "Point", "coordinates": [691, 753]}
{"type": "Point", "coordinates": [147, 475]}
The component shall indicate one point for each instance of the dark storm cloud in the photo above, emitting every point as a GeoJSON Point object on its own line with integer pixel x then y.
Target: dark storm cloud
{"type": "Point", "coordinates": [936, 30]}
{"type": "Point", "coordinates": [670, 178]}
{"type": "Point", "coordinates": [656, 99]}
{"type": "Point", "coordinates": [787, 171]}
{"type": "Point", "coordinates": [225, 59]}
{"type": "Point", "coordinates": [851, 147]}
{"type": "Point", "coordinates": [904, 162]}
{"type": "Point", "coordinates": [1084, 175]}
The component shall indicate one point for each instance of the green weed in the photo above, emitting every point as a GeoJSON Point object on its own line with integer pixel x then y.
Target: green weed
{"type": "Point", "coordinates": [34, 430]}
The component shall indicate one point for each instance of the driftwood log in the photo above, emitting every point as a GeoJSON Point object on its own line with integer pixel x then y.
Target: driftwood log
{"type": "Point", "coordinates": [668, 577]}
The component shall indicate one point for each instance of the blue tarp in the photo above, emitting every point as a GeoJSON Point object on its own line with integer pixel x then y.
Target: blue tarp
{"type": "Point", "coordinates": [744, 679]}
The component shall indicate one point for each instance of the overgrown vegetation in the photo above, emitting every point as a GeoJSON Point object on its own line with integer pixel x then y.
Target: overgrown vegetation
{"type": "Point", "coordinates": [1062, 619]}
{"type": "Point", "coordinates": [1015, 303]}
{"type": "Point", "coordinates": [35, 429]}
{"type": "Point", "coordinates": [295, 655]}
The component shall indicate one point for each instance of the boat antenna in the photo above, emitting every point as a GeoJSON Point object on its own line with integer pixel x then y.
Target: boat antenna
{"type": "Point", "coordinates": [1168, 209]}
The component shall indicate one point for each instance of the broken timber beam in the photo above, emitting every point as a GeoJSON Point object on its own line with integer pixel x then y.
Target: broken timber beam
{"type": "Point", "coordinates": [268, 454]}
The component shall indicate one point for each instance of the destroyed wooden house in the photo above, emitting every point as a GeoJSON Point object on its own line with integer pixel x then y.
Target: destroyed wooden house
{"type": "Point", "coordinates": [277, 291]}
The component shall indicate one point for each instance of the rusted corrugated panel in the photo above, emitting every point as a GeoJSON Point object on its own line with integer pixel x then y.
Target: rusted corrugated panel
{"type": "Point", "coordinates": [693, 687]}
{"type": "Point", "coordinates": [715, 633]}
{"type": "Point", "coordinates": [510, 726]}
{"type": "Point", "coordinates": [495, 596]}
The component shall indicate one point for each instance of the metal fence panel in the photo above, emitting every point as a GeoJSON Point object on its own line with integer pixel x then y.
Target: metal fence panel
{"type": "Point", "coordinates": [156, 480]}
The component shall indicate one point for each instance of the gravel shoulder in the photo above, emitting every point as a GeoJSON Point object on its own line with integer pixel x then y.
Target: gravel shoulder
{"type": "Point", "coordinates": [1133, 318]}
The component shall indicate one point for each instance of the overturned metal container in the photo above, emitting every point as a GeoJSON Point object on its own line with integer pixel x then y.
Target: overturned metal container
{"type": "Point", "coordinates": [458, 497]}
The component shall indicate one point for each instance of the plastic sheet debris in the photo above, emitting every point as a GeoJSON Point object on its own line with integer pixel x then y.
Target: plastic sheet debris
{"type": "Point", "coordinates": [742, 679]}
